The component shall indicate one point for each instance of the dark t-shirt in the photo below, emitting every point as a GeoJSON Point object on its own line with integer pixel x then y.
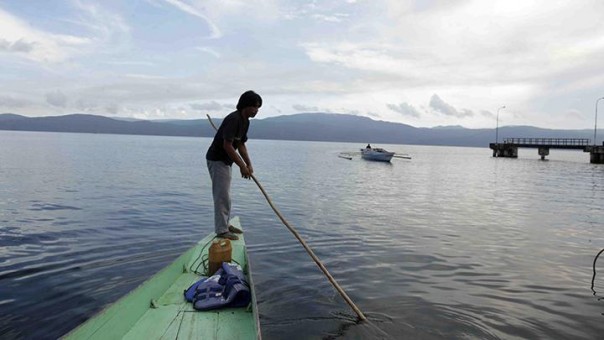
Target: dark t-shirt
{"type": "Point", "coordinates": [233, 128]}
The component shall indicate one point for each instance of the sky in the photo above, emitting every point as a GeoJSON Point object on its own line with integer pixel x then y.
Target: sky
{"type": "Point", "coordinates": [423, 63]}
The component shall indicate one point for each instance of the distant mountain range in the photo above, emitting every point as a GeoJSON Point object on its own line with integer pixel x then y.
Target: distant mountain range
{"type": "Point", "coordinates": [303, 126]}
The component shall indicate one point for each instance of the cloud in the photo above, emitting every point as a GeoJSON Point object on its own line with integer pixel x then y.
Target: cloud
{"type": "Point", "coordinates": [112, 108]}
{"type": "Point", "coordinates": [86, 105]}
{"type": "Point", "coordinates": [9, 101]}
{"type": "Point", "coordinates": [329, 18]}
{"type": "Point", "coordinates": [129, 63]}
{"type": "Point", "coordinates": [466, 113]}
{"type": "Point", "coordinates": [439, 105]}
{"type": "Point", "coordinates": [276, 109]}
{"type": "Point", "coordinates": [210, 106]}
{"type": "Point", "coordinates": [452, 43]}
{"type": "Point", "coordinates": [109, 32]}
{"type": "Point", "coordinates": [147, 76]}
{"type": "Point", "coordinates": [209, 51]}
{"type": "Point", "coordinates": [404, 109]}
{"type": "Point", "coordinates": [476, 54]}
{"type": "Point", "coordinates": [143, 91]}
{"type": "Point", "coordinates": [19, 36]}
{"type": "Point", "coordinates": [305, 108]}
{"type": "Point", "coordinates": [360, 56]}
{"type": "Point", "coordinates": [56, 98]}
{"type": "Point", "coordinates": [487, 114]}
{"type": "Point", "coordinates": [192, 10]}
{"type": "Point", "coordinates": [16, 46]}
{"type": "Point", "coordinates": [574, 115]}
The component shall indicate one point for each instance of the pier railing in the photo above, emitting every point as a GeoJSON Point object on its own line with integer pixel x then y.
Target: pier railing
{"type": "Point", "coordinates": [555, 143]}
{"type": "Point", "coordinates": [509, 147]}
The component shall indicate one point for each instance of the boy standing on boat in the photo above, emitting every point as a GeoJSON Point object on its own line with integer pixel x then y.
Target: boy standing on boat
{"type": "Point", "coordinates": [228, 147]}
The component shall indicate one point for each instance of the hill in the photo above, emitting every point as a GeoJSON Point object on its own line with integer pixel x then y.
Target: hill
{"type": "Point", "coordinates": [303, 126]}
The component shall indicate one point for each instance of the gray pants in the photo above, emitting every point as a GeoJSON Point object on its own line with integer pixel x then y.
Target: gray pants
{"type": "Point", "coordinates": [220, 174]}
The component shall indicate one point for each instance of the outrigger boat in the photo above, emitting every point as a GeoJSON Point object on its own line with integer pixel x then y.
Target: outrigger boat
{"type": "Point", "coordinates": [376, 154]}
{"type": "Point", "coordinates": [373, 154]}
{"type": "Point", "coordinates": [157, 309]}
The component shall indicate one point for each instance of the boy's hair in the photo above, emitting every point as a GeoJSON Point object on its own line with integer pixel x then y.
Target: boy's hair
{"type": "Point", "coordinates": [249, 98]}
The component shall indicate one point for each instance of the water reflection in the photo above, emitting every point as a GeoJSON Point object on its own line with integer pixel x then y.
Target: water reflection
{"type": "Point", "coordinates": [451, 244]}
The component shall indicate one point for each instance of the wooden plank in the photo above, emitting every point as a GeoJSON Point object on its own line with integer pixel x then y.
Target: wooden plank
{"type": "Point", "coordinates": [174, 294]}
{"type": "Point", "coordinates": [199, 325]}
{"type": "Point", "coordinates": [159, 323]}
{"type": "Point", "coordinates": [235, 324]}
{"type": "Point", "coordinates": [172, 317]}
{"type": "Point", "coordinates": [117, 320]}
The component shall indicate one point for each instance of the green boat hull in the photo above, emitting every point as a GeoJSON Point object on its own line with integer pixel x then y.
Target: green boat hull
{"type": "Point", "coordinates": [157, 309]}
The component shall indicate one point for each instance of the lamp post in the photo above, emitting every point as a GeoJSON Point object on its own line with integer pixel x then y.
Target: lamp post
{"type": "Point", "coordinates": [596, 123]}
{"type": "Point", "coordinates": [497, 128]}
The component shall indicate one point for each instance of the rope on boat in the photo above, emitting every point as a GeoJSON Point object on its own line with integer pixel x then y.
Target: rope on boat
{"type": "Point", "coordinates": [307, 248]}
{"type": "Point", "coordinates": [203, 261]}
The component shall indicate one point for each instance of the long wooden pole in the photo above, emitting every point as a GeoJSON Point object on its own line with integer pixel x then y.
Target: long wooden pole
{"type": "Point", "coordinates": [306, 247]}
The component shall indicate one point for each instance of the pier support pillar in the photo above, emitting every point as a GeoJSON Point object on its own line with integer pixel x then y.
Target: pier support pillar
{"type": "Point", "coordinates": [596, 154]}
{"type": "Point", "coordinates": [543, 152]}
{"type": "Point", "coordinates": [596, 158]}
{"type": "Point", "coordinates": [504, 150]}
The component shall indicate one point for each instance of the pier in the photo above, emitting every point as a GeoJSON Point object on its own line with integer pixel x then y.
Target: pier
{"type": "Point", "coordinates": [509, 147]}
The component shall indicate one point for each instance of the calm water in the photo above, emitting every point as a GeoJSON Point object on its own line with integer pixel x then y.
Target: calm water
{"type": "Point", "coordinates": [451, 244]}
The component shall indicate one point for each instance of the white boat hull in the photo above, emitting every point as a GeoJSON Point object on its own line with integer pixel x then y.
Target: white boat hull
{"type": "Point", "coordinates": [376, 155]}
